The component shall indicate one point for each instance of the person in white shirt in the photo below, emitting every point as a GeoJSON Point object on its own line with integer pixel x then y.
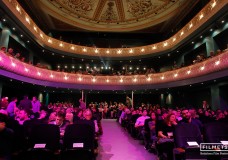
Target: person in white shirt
{"type": "Point", "coordinates": [140, 121]}
{"type": "Point", "coordinates": [35, 105]}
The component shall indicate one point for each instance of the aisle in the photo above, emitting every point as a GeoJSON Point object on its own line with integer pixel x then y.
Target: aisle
{"type": "Point", "coordinates": [117, 144]}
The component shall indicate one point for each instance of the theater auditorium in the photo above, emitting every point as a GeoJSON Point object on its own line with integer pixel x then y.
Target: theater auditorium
{"type": "Point", "coordinates": [113, 80]}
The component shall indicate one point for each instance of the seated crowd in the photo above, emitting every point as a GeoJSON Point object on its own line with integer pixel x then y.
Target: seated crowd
{"type": "Point", "coordinates": [152, 124]}
{"type": "Point", "coordinates": [16, 121]}
{"type": "Point", "coordinates": [155, 126]}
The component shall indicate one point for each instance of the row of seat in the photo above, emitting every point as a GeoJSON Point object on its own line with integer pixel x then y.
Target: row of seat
{"type": "Point", "coordinates": [213, 132]}
{"type": "Point", "coordinates": [45, 143]}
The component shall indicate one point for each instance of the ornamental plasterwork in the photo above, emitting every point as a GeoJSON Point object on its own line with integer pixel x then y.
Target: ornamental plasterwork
{"type": "Point", "coordinates": [109, 14]}
{"type": "Point", "coordinates": [139, 7]}
{"type": "Point", "coordinates": [81, 7]}
{"type": "Point", "coordinates": [119, 15]}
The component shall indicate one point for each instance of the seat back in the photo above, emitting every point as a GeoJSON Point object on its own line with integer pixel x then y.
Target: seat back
{"type": "Point", "coordinates": [186, 132]}
{"type": "Point", "coordinates": [45, 134]}
{"type": "Point", "coordinates": [82, 133]}
{"type": "Point", "coordinates": [216, 132]}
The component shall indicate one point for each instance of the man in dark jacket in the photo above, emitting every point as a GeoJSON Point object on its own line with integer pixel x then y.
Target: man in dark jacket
{"type": "Point", "coordinates": [25, 104]}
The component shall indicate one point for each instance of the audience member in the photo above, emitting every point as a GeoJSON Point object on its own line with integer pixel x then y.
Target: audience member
{"type": "Point", "coordinates": [187, 118]}
{"type": "Point", "coordinates": [165, 136]}
{"type": "Point", "coordinates": [25, 104]}
{"type": "Point", "coordinates": [149, 134]}
{"type": "Point", "coordinates": [82, 104]}
{"type": "Point", "coordinates": [12, 107]}
{"type": "Point", "coordinates": [60, 122]}
{"type": "Point", "coordinates": [23, 116]}
{"type": "Point", "coordinates": [6, 139]}
{"type": "Point", "coordinates": [35, 106]}
{"type": "Point", "coordinates": [4, 103]}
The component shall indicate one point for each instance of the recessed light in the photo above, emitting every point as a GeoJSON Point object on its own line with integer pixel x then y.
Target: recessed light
{"type": "Point", "coordinates": [223, 21]}
{"type": "Point", "coordinates": [4, 20]}
{"type": "Point", "coordinates": [211, 29]}
{"type": "Point", "coordinates": [14, 28]}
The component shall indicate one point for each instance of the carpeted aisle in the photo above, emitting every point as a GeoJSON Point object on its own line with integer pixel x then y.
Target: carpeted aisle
{"type": "Point", "coordinates": [117, 144]}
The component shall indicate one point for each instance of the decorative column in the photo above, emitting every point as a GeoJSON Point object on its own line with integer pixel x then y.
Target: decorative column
{"type": "Point", "coordinates": [132, 98]}
{"type": "Point", "coordinates": [83, 95]}
{"type": "Point", "coordinates": [162, 99]}
{"type": "Point", "coordinates": [215, 98]}
{"type": "Point", "coordinates": [4, 39]}
{"type": "Point", "coordinates": [210, 45]}
{"type": "Point", "coordinates": [47, 98]}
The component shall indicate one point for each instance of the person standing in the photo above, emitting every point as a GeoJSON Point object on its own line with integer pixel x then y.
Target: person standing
{"type": "Point", "coordinates": [25, 104]}
{"type": "Point", "coordinates": [82, 104]}
{"type": "Point", "coordinates": [11, 108]}
{"type": "Point", "coordinates": [36, 106]}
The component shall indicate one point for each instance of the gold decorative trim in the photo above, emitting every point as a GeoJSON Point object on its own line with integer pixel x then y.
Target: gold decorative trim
{"type": "Point", "coordinates": [202, 17]}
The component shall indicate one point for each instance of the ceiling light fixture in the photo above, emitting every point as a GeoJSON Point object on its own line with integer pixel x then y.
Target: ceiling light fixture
{"type": "Point", "coordinates": [84, 50]}
{"type": "Point", "coordinates": [49, 41]}
{"type": "Point", "coordinates": [202, 68]}
{"type": "Point", "coordinates": [217, 62]}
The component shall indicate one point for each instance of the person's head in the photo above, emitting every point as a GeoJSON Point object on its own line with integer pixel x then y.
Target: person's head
{"type": "Point", "coordinates": [158, 111]}
{"type": "Point", "coordinates": [192, 112]}
{"type": "Point", "coordinates": [170, 118]}
{"type": "Point", "coordinates": [185, 114]}
{"type": "Point", "coordinates": [200, 111]}
{"type": "Point", "coordinates": [17, 55]}
{"type": "Point", "coordinates": [206, 113]}
{"type": "Point", "coordinates": [10, 50]}
{"type": "Point", "coordinates": [3, 49]}
{"type": "Point", "coordinates": [43, 114]}
{"type": "Point", "coordinates": [219, 115]}
{"type": "Point", "coordinates": [3, 120]}
{"type": "Point", "coordinates": [87, 114]}
{"type": "Point", "coordinates": [164, 115]}
{"type": "Point", "coordinates": [144, 112]}
{"type": "Point", "coordinates": [60, 117]}
{"type": "Point", "coordinates": [14, 99]}
{"type": "Point", "coordinates": [69, 110]}
{"type": "Point", "coordinates": [69, 117]}
{"type": "Point", "coordinates": [52, 116]}
{"type": "Point", "coordinates": [79, 113]}
{"type": "Point", "coordinates": [23, 114]}
{"type": "Point", "coordinates": [34, 98]}
{"type": "Point", "coordinates": [178, 113]}
{"type": "Point", "coordinates": [153, 115]}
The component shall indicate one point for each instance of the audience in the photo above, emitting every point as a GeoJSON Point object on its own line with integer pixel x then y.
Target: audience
{"type": "Point", "coordinates": [98, 71]}
{"type": "Point", "coordinates": [156, 131]}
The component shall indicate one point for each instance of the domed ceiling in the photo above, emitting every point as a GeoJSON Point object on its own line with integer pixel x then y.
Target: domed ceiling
{"type": "Point", "coordinates": [111, 15]}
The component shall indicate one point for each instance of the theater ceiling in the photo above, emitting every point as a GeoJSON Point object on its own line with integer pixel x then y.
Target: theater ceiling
{"type": "Point", "coordinates": [154, 16]}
